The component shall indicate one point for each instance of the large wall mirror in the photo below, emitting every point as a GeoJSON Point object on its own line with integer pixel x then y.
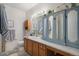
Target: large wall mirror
{"type": "Point", "coordinates": [59, 26]}
{"type": "Point", "coordinates": [56, 27]}
{"type": "Point", "coordinates": [37, 26]}
{"type": "Point", "coordinates": [72, 26]}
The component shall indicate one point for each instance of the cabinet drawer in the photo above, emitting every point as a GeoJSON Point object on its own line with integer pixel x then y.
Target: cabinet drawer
{"type": "Point", "coordinates": [42, 46]}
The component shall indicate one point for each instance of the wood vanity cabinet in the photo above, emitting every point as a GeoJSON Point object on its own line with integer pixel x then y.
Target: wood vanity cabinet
{"type": "Point", "coordinates": [35, 48]}
{"type": "Point", "coordinates": [28, 46]}
{"type": "Point", "coordinates": [38, 49]}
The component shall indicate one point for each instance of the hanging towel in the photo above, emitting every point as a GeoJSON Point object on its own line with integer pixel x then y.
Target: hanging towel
{"type": "Point", "coordinates": [3, 21]}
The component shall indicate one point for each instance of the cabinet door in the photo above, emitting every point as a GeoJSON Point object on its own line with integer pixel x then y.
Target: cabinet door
{"type": "Point", "coordinates": [51, 26]}
{"type": "Point", "coordinates": [73, 27]}
{"type": "Point", "coordinates": [35, 49]}
{"type": "Point", "coordinates": [29, 47]}
{"type": "Point", "coordinates": [42, 50]}
{"type": "Point", "coordinates": [45, 28]}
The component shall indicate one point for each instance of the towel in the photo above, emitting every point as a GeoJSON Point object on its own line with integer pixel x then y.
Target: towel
{"type": "Point", "coordinates": [3, 21]}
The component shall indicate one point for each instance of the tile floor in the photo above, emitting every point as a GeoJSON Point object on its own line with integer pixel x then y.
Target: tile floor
{"type": "Point", "coordinates": [16, 52]}
{"type": "Point", "coordinates": [20, 52]}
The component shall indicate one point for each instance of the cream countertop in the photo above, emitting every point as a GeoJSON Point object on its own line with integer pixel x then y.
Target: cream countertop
{"type": "Point", "coordinates": [68, 49]}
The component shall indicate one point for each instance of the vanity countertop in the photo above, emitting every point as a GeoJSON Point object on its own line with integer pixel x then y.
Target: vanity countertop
{"type": "Point", "coordinates": [67, 49]}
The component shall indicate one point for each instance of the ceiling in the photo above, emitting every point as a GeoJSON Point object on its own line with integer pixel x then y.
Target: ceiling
{"type": "Point", "coordinates": [23, 6]}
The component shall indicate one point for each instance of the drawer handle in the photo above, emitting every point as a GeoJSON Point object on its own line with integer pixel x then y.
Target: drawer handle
{"type": "Point", "coordinates": [40, 46]}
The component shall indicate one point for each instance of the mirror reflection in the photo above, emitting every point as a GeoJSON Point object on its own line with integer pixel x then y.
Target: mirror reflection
{"type": "Point", "coordinates": [45, 24]}
{"type": "Point", "coordinates": [50, 23]}
{"type": "Point", "coordinates": [72, 26]}
{"type": "Point", "coordinates": [59, 26]}
{"type": "Point", "coordinates": [37, 26]}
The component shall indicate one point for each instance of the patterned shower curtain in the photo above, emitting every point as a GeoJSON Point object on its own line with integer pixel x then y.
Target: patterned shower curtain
{"type": "Point", "coordinates": [3, 21]}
